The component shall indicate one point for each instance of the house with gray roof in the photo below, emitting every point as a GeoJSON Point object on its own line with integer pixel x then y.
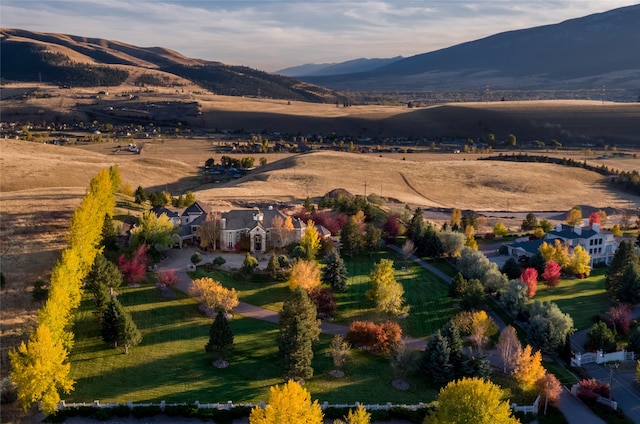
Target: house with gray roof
{"type": "Point", "coordinates": [236, 225]}
{"type": "Point", "coordinates": [600, 244]}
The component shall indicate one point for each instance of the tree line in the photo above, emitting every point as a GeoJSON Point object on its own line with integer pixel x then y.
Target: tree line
{"type": "Point", "coordinates": [39, 368]}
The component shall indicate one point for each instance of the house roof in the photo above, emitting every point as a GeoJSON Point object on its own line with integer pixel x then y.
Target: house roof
{"type": "Point", "coordinates": [529, 246]}
{"type": "Point", "coordinates": [569, 232]}
{"type": "Point", "coordinates": [238, 219]}
{"type": "Point", "coordinates": [196, 209]}
{"type": "Point", "coordinates": [161, 210]}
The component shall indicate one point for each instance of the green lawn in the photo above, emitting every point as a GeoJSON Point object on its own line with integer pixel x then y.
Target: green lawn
{"type": "Point", "coordinates": [582, 299]}
{"type": "Point", "coordinates": [171, 364]}
{"type": "Point", "coordinates": [425, 293]}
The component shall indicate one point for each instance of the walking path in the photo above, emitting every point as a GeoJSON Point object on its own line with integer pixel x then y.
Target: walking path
{"type": "Point", "coordinates": [179, 259]}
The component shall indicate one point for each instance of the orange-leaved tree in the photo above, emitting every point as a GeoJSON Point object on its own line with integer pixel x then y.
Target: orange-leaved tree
{"type": "Point", "coordinates": [529, 368]}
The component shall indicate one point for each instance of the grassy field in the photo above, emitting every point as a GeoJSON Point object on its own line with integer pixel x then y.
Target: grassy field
{"type": "Point", "coordinates": [424, 293]}
{"type": "Point", "coordinates": [171, 364]}
{"type": "Point", "coordinates": [582, 299]}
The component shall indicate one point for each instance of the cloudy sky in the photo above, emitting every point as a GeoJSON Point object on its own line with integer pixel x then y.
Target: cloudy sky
{"type": "Point", "coordinates": [272, 35]}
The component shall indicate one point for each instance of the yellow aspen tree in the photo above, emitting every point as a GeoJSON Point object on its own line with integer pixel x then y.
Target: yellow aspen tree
{"type": "Point", "coordinates": [574, 217]}
{"type": "Point", "coordinates": [471, 400]}
{"type": "Point", "coordinates": [359, 416]}
{"type": "Point", "coordinates": [482, 328]}
{"type": "Point", "coordinates": [456, 217]}
{"type": "Point", "coordinates": [546, 251]}
{"type": "Point", "coordinates": [579, 262]}
{"type": "Point", "coordinates": [529, 368]}
{"type": "Point", "coordinates": [39, 369]}
{"type": "Point", "coordinates": [385, 290]}
{"type": "Point", "coordinates": [470, 237]}
{"type": "Point", "coordinates": [290, 404]}
{"type": "Point", "coordinates": [305, 274]}
{"type": "Point", "coordinates": [561, 253]}
{"type": "Point", "coordinates": [213, 295]}
{"type": "Point", "coordinates": [310, 241]}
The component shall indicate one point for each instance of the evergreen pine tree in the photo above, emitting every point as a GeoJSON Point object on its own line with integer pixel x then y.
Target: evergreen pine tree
{"type": "Point", "coordinates": [625, 255]}
{"type": "Point", "coordinates": [273, 266]}
{"type": "Point", "coordinates": [436, 359]}
{"type": "Point", "coordinates": [111, 320]}
{"type": "Point", "coordinates": [456, 353]}
{"type": "Point", "coordinates": [220, 337]}
{"type": "Point", "coordinates": [103, 272]}
{"type": "Point", "coordinates": [335, 272]}
{"type": "Point", "coordinates": [109, 234]}
{"type": "Point", "coordinates": [297, 351]}
{"type": "Point", "coordinates": [130, 335]}
{"type": "Point", "coordinates": [101, 299]}
{"type": "Point", "coordinates": [299, 329]}
{"type": "Point", "coordinates": [476, 366]}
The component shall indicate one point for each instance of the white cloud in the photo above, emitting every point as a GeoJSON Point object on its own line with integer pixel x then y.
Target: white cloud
{"type": "Point", "coordinates": [274, 34]}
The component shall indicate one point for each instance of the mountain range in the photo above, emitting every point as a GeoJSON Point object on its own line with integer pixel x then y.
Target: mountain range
{"type": "Point", "coordinates": [595, 52]}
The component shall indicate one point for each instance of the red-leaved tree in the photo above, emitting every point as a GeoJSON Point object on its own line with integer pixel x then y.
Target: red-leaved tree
{"type": "Point", "coordinates": [551, 274]}
{"type": "Point", "coordinates": [589, 390]}
{"type": "Point", "coordinates": [324, 300]}
{"type": "Point", "coordinates": [594, 218]}
{"type": "Point", "coordinates": [332, 221]}
{"type": "Point", "coordinates": [619, 317]}
{"type": "Point", "coordinates": [530, 278]}
{"type": "Point", "coordinates": [134, 270]}
{"type": "Point", "coordinates": [167, 278]}
{"type": "Point", "coordinates": [392, 228]}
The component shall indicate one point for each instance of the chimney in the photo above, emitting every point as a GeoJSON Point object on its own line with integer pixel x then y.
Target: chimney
{"type": "Point", "coordinates": [577, 229]}
{"type": "Point", "coordinates": [223, 223]}
{"type": "Point", "coordinates": [596, 227]}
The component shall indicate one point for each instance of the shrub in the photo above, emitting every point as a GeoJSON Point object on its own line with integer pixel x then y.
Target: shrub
{"type": "Point", "coordinates": [379, 338]}
{"type": "Point", "coordinates": [103, 414]}
{"type": "Point", "coordinates": [121, 411]}
{"type": "Point", "coordinates": [590, 389]}
{"type": "Point", "coordinates": [219, 261]}
{"type": "Point", "coordinates": [196, 258]}
{"type": "Point", "coordinates": [324, 301]}
{"type": "Point", "coordinates": [145, 411]}
{"type": "Point", "coordinates": [601, 337]}
{"type": "Point", "coordinates": [619, 318]}
{"type": "Point", "coordinates": [634, 342]}
{"type": "Point", "coordinates": [284, 261]}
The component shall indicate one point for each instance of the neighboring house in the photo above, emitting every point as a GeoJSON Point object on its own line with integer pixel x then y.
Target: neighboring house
{"type": "Point", "coordinates": [236, 224]}
{"type": "Point", "coordinates": [599, 244]}
{"type": "Point", "coordinates": [187, 219]}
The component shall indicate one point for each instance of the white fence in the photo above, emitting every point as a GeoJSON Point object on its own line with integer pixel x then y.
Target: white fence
{"type": "Point", "coordinates": [527, 408]}
{"type": "Point", "coordinates": [600, 358]}
{"type": "Point", "coordinates": [229, 405]}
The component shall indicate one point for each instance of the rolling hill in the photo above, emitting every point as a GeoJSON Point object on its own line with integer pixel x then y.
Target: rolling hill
{"type": "Point", "coordinates": [70, 60]}
{"type": "Point", "coordinates": [591, 52]}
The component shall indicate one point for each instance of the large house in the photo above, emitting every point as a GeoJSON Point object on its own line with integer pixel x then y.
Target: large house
{"type": "Point", "coordinates": [252, 225]}
{"type": "Point", "coordinates": [600, 244]}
